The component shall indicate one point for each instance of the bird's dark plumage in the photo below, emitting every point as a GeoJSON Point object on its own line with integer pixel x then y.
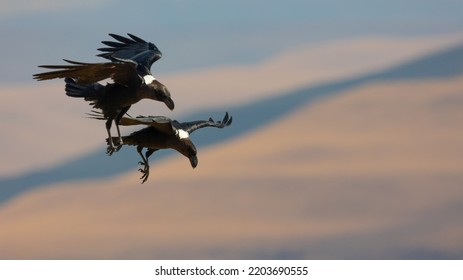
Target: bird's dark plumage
{"type": "Point", "coordinates": [164, 133]}
{"type": "Point", "coordinates": [133, 48]}
{"type": "Point", "coordinates": [129, 70]}
{"type": "Point", "coordinates": [121, 72]}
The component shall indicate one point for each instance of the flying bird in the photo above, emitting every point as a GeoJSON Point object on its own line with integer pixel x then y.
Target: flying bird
{"type": "Point", "coordinates": [129, 70]}
{"type": "Point", "coordinates": [164, 133]}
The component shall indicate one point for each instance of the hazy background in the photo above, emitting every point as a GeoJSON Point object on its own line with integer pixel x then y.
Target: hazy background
{"type": "Point", "coordinates": [346, 141]}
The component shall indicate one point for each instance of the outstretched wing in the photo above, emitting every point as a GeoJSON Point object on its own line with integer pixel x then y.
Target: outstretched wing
{"type": "Point", "coordinates": [192, 126]}
{"type": "Point", "coordinates": [160, 123]}
{"type": "Point", "coordinates": [121, 72]}
{"type": "Point", "coordinates": [133, 48]}
{"type": "Point", "coordinates": [168, 125]}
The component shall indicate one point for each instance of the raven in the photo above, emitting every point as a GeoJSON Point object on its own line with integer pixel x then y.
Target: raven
{"type": "Point", "coordinates": [164, 133]}
{"type": "Point", "coordinates": [130, 72]}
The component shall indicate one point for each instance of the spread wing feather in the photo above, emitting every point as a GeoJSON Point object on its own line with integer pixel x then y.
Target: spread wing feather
{"type": "Point", "coordinates": [160, 123]}
{"type": "Point", "coordinates": [192, 126]}
{"type": "Point", "coordinates": [166, 124]}
{"type": "Point", "coordinates": [133, 48]}
{"type": "Point", "coordinates": [121, 72]}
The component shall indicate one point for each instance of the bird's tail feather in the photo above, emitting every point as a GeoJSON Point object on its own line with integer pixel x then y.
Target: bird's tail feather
{"type": "Point", "coordinates": [73, 89]}
{"type": "Point", "coordinates": [89, 92]}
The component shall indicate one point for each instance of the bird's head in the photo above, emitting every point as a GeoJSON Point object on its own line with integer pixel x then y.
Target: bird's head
{"type": "Point", "coordinates": [188, 149]}
{"type": "Point", "coordinates": [159, 92]}
{"type": "Point", "coordinates": [193, 160]}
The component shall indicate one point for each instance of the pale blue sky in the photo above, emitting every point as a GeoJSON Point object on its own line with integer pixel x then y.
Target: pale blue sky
{"type": "Point", "coordinates": [197, 34]}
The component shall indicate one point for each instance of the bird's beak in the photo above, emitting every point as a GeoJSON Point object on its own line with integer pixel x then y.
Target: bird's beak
{"type": "Point", "coordinates": [194, 161]}
{"type": "Point", "coordinates": [169, 103]}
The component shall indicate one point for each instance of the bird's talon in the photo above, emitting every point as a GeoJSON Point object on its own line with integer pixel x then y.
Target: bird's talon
{"type": "Point", "coordinates": [144, 177]}
{"type": "Point", "coordinates": [145, 172]}
{"type": "Point", "coordinates": [110, 150]}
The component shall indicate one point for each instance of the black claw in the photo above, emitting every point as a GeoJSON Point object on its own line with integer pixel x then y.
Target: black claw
{"type": "Point", "coordinates": [145, 171]}
{"type": "Point", "coordinates": [110, 150]}
{"type": "Point", "coordinates": [145, 175]}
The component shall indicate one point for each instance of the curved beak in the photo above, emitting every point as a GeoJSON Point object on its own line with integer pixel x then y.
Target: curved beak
{"type": "Point", "coordinates": [169, 103]}
{"type": "Point", "coordinates": [193, 161]}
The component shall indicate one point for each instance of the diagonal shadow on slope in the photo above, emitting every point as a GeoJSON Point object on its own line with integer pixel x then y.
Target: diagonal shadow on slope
{"type": "Point", "coordinates": [246, 118]}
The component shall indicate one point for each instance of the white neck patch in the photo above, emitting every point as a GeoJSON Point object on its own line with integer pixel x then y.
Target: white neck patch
{"type": "Point", "coordinates": [148, 79]}
{"type": "Point", "coordinates": [182, 134]}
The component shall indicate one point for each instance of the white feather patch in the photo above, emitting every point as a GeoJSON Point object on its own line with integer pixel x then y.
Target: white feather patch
{"type": "Point", "coordinates": [182, 134]}
{"type": "Point", "coordinates": [148, 79]}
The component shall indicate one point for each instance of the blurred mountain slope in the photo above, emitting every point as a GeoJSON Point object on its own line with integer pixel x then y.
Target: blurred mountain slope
{"type": "Point", "coordinates": [373, 172]}
{"type": "Point", "coordinates": [247, 117]}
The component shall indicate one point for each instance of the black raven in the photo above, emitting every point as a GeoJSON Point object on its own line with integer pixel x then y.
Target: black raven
{"type": "Point", "coordinates": [132, 81]}
{"type": "Point", "coordinates": [163, 133]}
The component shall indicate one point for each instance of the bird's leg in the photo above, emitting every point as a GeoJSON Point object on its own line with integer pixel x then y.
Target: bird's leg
{"type": "Point", "coordinates": [119, 134]}
{"type": "Point", "coordinates": [110, 149]}
{"type": "Point", "coordinates": [149, 152]}
{"type": "Point", "coordinates": [117, 120]}
{"type": "Point", "coordinates": [146, 168]}
{"type": "Point", "coordinates": [120, 143]}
